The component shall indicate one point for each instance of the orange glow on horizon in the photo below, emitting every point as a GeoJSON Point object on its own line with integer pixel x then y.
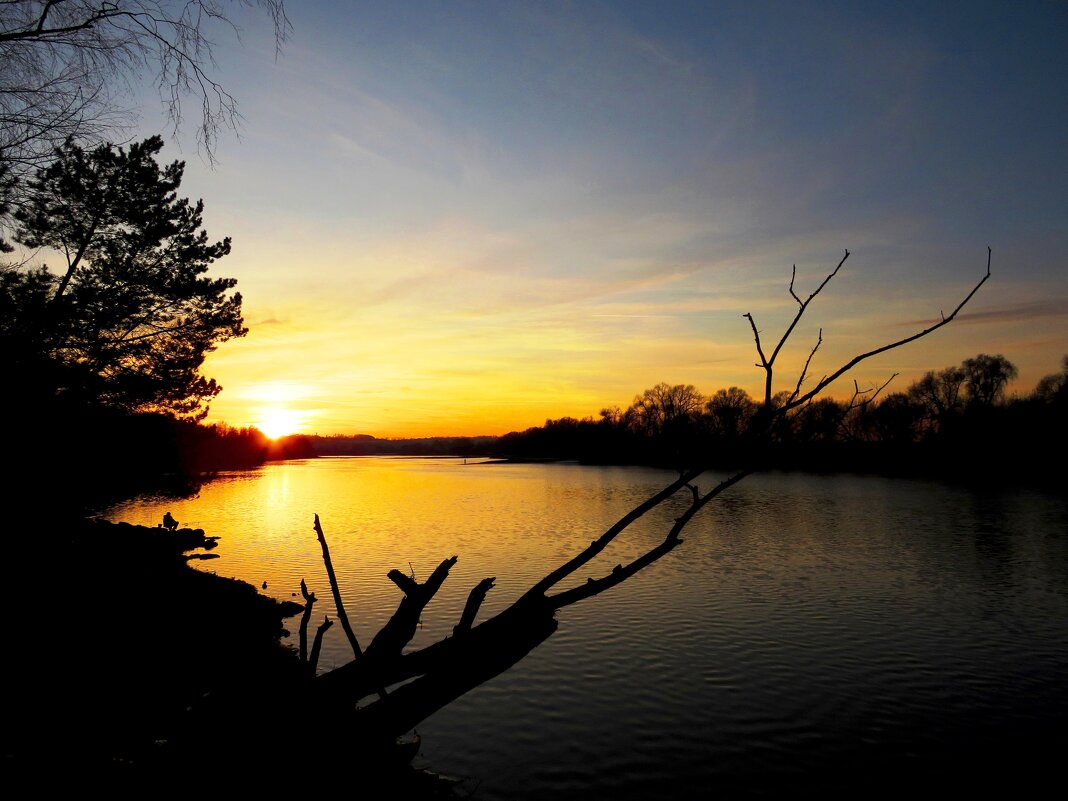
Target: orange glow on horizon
{"type": "Point", "coordinates": [280, 423]}
{"type": "Point", "coordinates": [404, 368]}
{"type": "Point", "coordinates": [277, 408]}
{"type": "Point", "coordinates": [427, 261]}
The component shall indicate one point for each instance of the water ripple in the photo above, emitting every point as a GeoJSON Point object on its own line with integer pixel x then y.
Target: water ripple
{"type": "Point", "coordinates": [810, 631]}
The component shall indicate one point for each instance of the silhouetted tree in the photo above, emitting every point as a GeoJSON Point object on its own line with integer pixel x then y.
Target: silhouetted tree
{"type": "Point", "coordinates": [664, 408]}
{"type": "Point", "coordinates": [130, 316]}
{"type": "Point", "coordinates": [985, 378]}
{"type": "Point", "coordinates": [729, 412]}
{"type": "Point", "coordinates": [611, 416]}
{"type": "Point", "coordinates": [819, 421]}
{"type": "Point", "coordinates": [895, 420]}
{"type": "Point", "coordinates": [7, 190]}
{"type": "Point", "coordinates": [939, 394]}
{"type": "Point", "coordinates": [1053, 387]}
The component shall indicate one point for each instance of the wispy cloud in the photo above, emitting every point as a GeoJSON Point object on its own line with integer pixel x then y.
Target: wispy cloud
{"type": "Point", "coordinates": [265, 321]}
{"type": "Point", "coordinates": [1018, 312]}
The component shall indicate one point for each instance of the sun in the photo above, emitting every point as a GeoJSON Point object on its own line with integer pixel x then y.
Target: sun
{"type": "Point", "coordinates": [279, 422]}
{"type": "Point", "coordinates": [271, 406]}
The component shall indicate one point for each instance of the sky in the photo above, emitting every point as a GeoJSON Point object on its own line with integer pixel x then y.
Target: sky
{"type": "Point", "coordinates": [465, 218]}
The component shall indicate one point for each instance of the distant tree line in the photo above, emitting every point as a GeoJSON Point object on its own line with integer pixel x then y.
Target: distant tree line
{"type": "Point", "coordinates": [958, 420]}
{"type": "Point", "coordinates": [366, 445]}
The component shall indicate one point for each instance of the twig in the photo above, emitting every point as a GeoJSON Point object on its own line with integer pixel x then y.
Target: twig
{"type": "Point", "coordinates": [827, 380]}
{"type": "Point", "coordinates": [596, 546]}
{"type": "Point", "coordinates": [769, 364]}
{"type": "Point", "coordinates": [808, 361]}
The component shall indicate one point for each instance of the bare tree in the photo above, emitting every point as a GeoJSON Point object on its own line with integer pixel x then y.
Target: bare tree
{"type": "Point", "coordinates": [664, 407]}
{"type": "Point", "coordinates": [405, 688]}
{"type": "Point", "coordinates": [64, 64]}
{"type": "Point", "coordinates": [730, 411]}
{"type": "Point", "coordinates": [939, 394]}
{"type": "Point", "coordinates": [1053, 386]}
{"type": "Point", "coordinates": [986, 377]}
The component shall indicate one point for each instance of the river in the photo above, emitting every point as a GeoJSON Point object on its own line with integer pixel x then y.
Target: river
{"type": "Point", "coordinates": [810, 630]}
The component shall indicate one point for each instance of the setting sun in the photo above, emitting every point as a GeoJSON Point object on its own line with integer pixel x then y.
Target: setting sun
{"type": "Point", "coordinates": [277, 423]}
{"type": "Point", "coordinates": [277, 407]}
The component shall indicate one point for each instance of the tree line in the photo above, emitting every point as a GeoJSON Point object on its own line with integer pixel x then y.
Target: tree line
{"type": "Point", "coordinates": [958, 420]}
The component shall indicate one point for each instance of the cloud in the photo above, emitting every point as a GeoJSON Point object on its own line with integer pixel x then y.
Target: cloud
{"type": "Point", "coordinates": [1054, 307]}
{"type": "Point", "coordinates": [267, 321]}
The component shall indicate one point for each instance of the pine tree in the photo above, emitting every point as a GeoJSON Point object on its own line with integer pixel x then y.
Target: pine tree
{"type": "Point", "coordinates": [130, 317]}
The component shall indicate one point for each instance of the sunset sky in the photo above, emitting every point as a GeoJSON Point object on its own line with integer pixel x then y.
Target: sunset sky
{"type": "Point", "coordinates": [464, 218]}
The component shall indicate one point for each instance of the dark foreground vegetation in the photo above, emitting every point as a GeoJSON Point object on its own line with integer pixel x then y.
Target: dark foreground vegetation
{"type": "Point", "coordinates": [128, 650]}
{"type": "Point", "coordinates": [135, 671]}
{"type": "Point", "coordinates": [102, 354]}
{"type": "Point", "coordinates": [100, 455]}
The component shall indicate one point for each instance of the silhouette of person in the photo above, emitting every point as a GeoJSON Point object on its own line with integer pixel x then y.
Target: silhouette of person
{"type": "Point", "coordinates": [169, 522]}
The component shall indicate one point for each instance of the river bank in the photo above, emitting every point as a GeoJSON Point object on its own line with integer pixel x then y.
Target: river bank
{"type": "Point", "coordinates": [122, 645]}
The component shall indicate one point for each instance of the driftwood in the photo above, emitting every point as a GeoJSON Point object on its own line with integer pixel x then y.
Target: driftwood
{"type": "Point", "coordinates": [425, 680]}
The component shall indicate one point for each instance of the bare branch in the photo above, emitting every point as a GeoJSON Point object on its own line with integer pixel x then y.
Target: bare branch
{"type": "Point", "coordinates": [407, 584]}
{"type": "Point", "coordinates": [474, 602]}
{"type": "Point", "coordinates": [808, 361]}
{"type": "Point", "coordinates": [317, 646]}
{"type": "Point", "coordinates": [309, 602]}
{"type": "Point", "coordinates": [66, 65]}
{"type": "Point", "coordinates": [880, 388]}
{"type": "Point", "coordinates": [769, 363]}
{"type": "Point", "coordinates": [338, 603]}
{"type": "Point", "coordinates": [400, 628]}
{"type": "Point", "coordinates": [621, 573]}
{"type": "Point", "coordinates": [866, 396]}
{"type": "Point", "coordinates": [827, 380]}
{"type": "Point", "coordinates": [602, 542]}
{"type": "Point", "coordinates": [756, 338]}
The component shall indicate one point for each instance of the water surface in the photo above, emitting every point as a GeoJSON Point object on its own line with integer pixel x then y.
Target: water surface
{"type": "Point", "coordinates": [811, 629]}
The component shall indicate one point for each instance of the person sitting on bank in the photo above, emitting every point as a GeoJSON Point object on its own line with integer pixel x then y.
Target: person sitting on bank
{"type": "Point", "coordinates": [169, 522]}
